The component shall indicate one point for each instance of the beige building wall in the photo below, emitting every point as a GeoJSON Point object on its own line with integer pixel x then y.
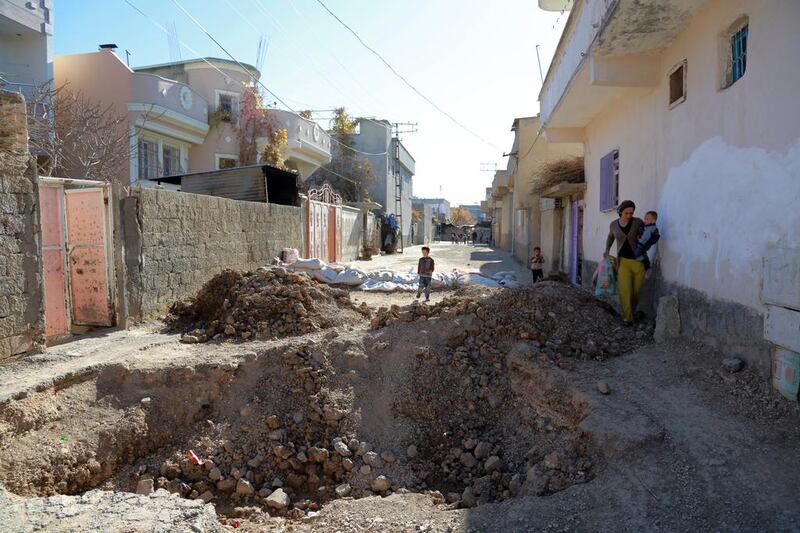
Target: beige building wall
{"type": "Point", "coordinates": [99, 77]}
{"type": "Point", "coordinates": [722, 167]}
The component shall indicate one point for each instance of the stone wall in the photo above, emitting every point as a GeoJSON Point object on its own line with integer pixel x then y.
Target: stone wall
{"type": "Point", "coordinates": [21, 285]}
{"type": "Point", "coordinates": [175, 242]}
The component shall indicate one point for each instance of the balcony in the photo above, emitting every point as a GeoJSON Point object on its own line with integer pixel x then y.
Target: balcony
{"type": "Point", "coordinates": [608, 48]}
{"type": "Point", "coordinates": [308, 147]}
{"type": "Point", "coordinates": [169, 107]}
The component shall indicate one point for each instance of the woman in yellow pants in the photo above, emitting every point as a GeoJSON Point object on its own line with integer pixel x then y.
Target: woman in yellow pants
{"type": "Point", "coordinates": [625, 231]}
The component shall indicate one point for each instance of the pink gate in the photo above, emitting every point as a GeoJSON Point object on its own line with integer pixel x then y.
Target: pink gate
{"type": "Point", "coordinates": [87, 249]}
{"type": "Point", "coordinates": [324, 224]}
{"type": "Point", "coordinates": [56, 319]}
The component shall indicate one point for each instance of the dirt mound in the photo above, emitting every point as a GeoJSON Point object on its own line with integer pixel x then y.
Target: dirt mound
{"type": "Point", "coordinates": [558, 319]}
{"type": "Point", "coordinates": [268, 303]}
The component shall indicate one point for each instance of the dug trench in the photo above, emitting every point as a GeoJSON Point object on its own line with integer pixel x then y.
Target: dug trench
{"type": "Point", "coordinates": [466, 401]}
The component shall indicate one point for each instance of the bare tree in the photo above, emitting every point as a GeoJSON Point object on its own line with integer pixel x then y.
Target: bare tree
{"type": "Point", "coordinates": [74, 136]}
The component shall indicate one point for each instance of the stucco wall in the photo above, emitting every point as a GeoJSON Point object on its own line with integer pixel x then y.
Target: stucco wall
{"type": "Point", "coordinates": [184, 239]}
{"type": "Point", "coordinates": [723, 167]}
{"type": "Point", "coordinates": [709, 163]}
{"type": "Point", "coordinates": [21, 285]}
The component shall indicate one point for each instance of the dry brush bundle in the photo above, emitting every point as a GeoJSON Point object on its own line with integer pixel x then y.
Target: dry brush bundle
{"type": "Point", "coordinates": [567, 170]}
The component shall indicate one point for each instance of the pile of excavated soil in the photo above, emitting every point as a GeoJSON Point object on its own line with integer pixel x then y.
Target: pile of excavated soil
{"type": "Point", "coordinates": [557, 319]}
{"type": "Point", "coordinates": [268, 303]}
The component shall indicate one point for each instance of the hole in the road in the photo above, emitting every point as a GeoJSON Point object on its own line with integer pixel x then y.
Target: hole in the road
{"type": "Point", "coordinates": [459, 400]}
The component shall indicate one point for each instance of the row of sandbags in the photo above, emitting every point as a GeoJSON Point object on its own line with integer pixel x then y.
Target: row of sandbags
{"type": "Point", "coordinates": [391, 281]}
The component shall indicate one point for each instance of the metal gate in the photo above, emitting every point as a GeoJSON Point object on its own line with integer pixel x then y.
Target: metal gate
{"type": "Point", "coordinates": [76, 242]}
{"type": "Point", "coordinates": [324, 224]}
{"type": "Point", "coordinates": [56, 318]}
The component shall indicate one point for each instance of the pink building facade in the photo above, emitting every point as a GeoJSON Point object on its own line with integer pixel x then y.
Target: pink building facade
{"type": "Point", "coordinates": [183, 116]}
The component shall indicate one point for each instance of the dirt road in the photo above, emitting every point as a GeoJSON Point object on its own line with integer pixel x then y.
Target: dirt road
{"type": "Point", "coordinates": [523, 409]}
{"type": "Point", "coordinates": [465, 257]}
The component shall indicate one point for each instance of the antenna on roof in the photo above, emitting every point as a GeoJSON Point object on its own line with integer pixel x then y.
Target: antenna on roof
{"type": "Point", "coordinates": [173, 43]}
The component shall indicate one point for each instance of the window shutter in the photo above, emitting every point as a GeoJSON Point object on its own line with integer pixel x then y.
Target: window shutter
{"type": "Point", "coordinates": [607, 182]}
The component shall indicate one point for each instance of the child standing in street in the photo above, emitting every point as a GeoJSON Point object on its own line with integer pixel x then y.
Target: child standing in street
{"type": "Point", "coordinates": [537, 265]}
{"type": "Point", "coordinates": [650, 236]}
{"type": "Point", "coordinates": [425, 268]}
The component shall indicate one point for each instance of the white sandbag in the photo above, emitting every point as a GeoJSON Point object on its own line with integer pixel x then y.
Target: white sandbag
{"type": "Point", "coordinates": [477, 279]}
{"type": "Point", "coordinates": [406, 279]}
{"type": "Point", "coordinates": [290, 255]}
{"type": "Point", "coordinates": [504, 274]}
{"type": "Point", "coordinates": [352, 277]}
{"type": "Point", "coordinates": [309, 264]}
{"type": "Point", "coordinates": [325, 275]}
{"type": "Point", "coordinates": [382, 275]}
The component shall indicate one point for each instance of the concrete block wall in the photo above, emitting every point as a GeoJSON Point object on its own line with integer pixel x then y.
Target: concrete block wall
{"type": "Point", "coordinates": [21, 285]}
{"type": "Point", "coordinates": [184, 239]}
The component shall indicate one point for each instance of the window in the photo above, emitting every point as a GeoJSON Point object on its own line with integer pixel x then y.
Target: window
{"type": "Point", "coordinates": [226, 161]}
{"type": "Point", "coordinates": [227, 106]}
{"type": "Point", "coordinates": [148, 159]}
{"type": "Point", "coordinates": [609, 181]}
{"type": "Point", "coordinates": [677, 84]}
{"type": "Point", "coordinates": [738, 54]}
{"type": "Point", "coordinates": [734, 52]}
{"type": "Point", "coordinates": [170, 160]}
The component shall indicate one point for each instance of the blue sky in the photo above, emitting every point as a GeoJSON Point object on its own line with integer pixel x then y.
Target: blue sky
{"type": "Point", "coordinates": [476, 60]}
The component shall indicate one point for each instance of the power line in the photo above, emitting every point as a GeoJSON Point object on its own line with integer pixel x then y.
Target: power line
{"type": "Point", "coordinates": [256, 80]}
{"type": "Point", "coordinates": [252, 76]}
{"type": "Point", "coordinates": [404, 80]}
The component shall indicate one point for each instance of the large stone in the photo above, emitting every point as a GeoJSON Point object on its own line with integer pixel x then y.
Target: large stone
{"type": "Point", "coordinates": [373, 459]}
{"type": "Point", "coordinates": [145, 486]}
{"type": "Point", "coordinates": [244, 488]}
{"type": "Point", "coordinates": [380, 484]}
{"type": "Point", "coordinates": [468, 498]}
{"type": "Point", "coordinates": [493, 464]}
{"type": "Point", "coordinates": [226, 484]}
{"type": "Point", "coordinates": [318, 455]}
{"type": "Point", "coordinates": [342, 449]}
{"type": "Point", "coordinates": [482, 450]}
{"type": "Point", "coordinates": [215, 474]}
{"type": "Point", "coordinates": [732, 364]}
{"type": "Point", "coordinates": [277, 500]}
{"type": "Point", "coordinates": [668, 319]}
{"type": "Point", "coordinates": [468, 460]}
{"type": "Point", "coordinates": [343, 490]}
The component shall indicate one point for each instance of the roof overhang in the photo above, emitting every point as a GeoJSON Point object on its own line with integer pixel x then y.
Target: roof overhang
{"type": "Point", "coordinates": [619, 49]}
{"type": "Point", "coordinates": [563, 189]}
{"type": "Point", "coordinates": [162, 120]}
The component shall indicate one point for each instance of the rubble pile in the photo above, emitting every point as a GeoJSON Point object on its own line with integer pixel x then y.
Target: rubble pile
{"type": "Point", "coordinates": [288, 457]}
{"type": "Point", "coordinates": [557, 319]}
{"type": "Point", "coordinates": [269, 303]}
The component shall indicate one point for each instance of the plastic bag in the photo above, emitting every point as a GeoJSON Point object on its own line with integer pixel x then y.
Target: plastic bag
{"type": "Point", "coordinates": [604, 279]}
{"type": "Point", "coordinates": [352, 277]}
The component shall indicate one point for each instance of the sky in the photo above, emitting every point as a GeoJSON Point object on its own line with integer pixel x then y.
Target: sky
{"type": "Point", "coordinates": [474, 59]}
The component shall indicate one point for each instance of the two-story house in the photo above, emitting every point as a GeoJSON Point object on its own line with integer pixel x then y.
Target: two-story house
{"type": "Point", "coordinates": [394, 169]}
{"type": "Point", "coordinates": [690, 108]}
{"type": "Point", "coordinates": [26, 44]}
{"type": "Point", "coordinates": [183, 116]}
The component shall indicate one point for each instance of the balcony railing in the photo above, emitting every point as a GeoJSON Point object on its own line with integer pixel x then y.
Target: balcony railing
{"type": "Point", "coordinates": [172, 95]}
{"type": "Point", "coordinates": [303, 131]}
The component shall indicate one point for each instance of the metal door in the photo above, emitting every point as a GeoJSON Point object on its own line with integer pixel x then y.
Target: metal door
{"type": "Point", "coordinates": [56, 318]}
{"type": "Point", "coordinates": [87, 257]}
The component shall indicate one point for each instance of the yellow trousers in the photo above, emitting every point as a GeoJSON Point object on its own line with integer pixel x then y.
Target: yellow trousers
{"type": "Point", "coordinates": [630, 278]}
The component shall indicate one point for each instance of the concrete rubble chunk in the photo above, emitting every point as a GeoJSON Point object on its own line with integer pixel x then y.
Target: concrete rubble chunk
{"type": "Point", "coordinates": [277, 500]}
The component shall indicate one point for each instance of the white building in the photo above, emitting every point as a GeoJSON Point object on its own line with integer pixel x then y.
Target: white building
{"type": "Point", "coordinates": [689, 107]}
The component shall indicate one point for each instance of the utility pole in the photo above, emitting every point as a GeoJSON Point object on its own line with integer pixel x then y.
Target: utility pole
{"type": "Point", "coordinates": [399, 128]}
